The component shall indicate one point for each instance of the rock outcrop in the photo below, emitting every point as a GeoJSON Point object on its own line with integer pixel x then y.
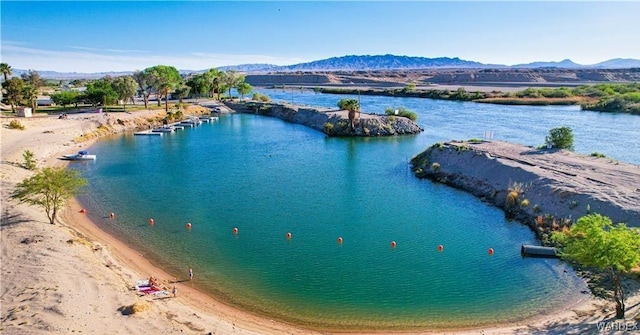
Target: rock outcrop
{"type": "Point", "coordinates": [331, 122]}
{"type": "Point", "coordinates": [546, 189]}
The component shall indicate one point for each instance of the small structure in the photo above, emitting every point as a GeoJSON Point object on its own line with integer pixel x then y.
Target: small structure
{"type": "Point", "coordinates": [538, 251]}
{"type": "Point", "coordinates": [44, 101]}
{"type": "Point", "coordinates": [23, 111]}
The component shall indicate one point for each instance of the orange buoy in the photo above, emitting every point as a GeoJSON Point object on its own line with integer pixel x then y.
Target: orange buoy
{"type": "Point", "coordinates": [288, 235]}
{"type": "Point", "coordinates": [393, 244]}
{"type": "Point", "coordinates": [83, 211]}
{"type": "Point", "coordinates": [235, 231]}
{"type": "Point", "coordinates": [339, 240]}
{"type": "Point", "coordinates": [111, 216]}
{"type": "Point", "coordinates": [490, 251]}
{"type": "Point", "coordinates": [151, 222]}
{"type": "Point", "coordinates": [188, 225]}
{"type": "Point", "coordinates": [440, 247]}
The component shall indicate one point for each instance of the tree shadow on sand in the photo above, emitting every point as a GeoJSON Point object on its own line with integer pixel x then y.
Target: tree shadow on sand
{"type": "Point", "coordinates": [10, 219]}
{"type": "Point", "coordinates": [561, 327]}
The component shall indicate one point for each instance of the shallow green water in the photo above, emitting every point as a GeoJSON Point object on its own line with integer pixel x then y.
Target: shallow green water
{"type": "Point", "coordinates": [267, 177]}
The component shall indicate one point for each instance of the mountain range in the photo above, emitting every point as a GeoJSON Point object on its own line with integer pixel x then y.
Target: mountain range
{"type": "Point", "coordinates": [371, 63]}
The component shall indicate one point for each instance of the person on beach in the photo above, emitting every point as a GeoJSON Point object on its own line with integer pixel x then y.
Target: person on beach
{"type": "Point", "coordinates": [190, 273]}
{"type": "Point", "coordinates": [174, 291]}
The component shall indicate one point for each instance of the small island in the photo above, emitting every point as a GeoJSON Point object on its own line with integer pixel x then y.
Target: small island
{"type": "Point", "coordinates": [331, 121]}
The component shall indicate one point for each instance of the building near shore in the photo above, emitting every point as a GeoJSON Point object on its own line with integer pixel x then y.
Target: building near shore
{"type": "Point", "coordinates": [23, 111]}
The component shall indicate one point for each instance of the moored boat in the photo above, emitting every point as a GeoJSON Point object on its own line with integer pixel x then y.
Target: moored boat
{"type": "Point", "coordinates": [164, 129]}
{"type": "Point", "coordinates": [82, 155]}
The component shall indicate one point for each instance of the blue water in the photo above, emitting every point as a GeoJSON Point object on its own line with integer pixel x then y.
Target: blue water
{"type": "Point", "coordinates": [268, 177]}
{"type": "Point", "coordinates": [617, 135]}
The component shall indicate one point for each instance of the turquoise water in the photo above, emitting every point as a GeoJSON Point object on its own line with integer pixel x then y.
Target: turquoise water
{"type": "Point", "coordinates": [267, 177]}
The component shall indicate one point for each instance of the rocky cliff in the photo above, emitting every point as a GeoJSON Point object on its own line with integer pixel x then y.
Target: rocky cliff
{"type": "Point", "coordinates": [331, 122]}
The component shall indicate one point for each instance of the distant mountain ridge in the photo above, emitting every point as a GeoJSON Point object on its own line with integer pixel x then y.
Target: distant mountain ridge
{"type": "Point", "coordinates": [370, 63]}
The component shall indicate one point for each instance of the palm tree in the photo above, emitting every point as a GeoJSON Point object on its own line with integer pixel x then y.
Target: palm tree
{"type": "Point", "coordinates": [30, 94]}
{"type": "Point", "coordinates": [6, 70]}
{"type": "Point", "coordinates": [214, 78]}
{"type": "Point", "coordinates": [353, 106]}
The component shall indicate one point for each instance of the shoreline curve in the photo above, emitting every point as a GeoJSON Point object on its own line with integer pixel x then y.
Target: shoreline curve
{"type": "Point", "coordinates": [103, 257]}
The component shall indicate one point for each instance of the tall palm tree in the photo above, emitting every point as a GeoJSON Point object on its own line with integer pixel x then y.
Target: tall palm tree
{"type": "Point", "coordinates": [353, 106]}
{"type": "Point", "coordinates": [6, 70]}
{"type": "Point", "coordinates": [214, 76]}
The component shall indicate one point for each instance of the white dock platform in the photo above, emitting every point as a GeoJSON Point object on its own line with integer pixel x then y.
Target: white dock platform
{"type": "Point", "coordinates": [147, 133]}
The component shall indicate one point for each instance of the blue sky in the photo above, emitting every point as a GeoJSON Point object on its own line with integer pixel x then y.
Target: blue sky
{"type": "Point", "coordinates": [99, 36]}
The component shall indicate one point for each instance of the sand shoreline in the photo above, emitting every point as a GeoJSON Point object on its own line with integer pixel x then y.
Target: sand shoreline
{"type": "Point", "coordinates": [107, 268]}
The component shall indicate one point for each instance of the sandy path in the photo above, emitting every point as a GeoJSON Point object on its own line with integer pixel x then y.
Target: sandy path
{"type": "Point", "coordinates": [73, 277]}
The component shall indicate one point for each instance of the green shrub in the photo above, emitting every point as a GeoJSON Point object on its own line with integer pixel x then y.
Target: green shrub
{"type": "Point", "coordinates": [260, 97]}
{"type": "Point", "coordinates": [536, 208]}
{"type": "Point", "coordinates": [561, 138]}
{"type": "Point", "coordinates": [512, 198]}
{"type": "Point", "coordinates": [573, 204]}
{"type": "Point", "coordinates": [597, 154]}
{"type": "Point", "coordinates": [15, 124]}
{"type": "Point", "coordinates": [401, 111]}
{"type": "Point", "coordinates": [29, 161]}
{"type": "Point", "coordinates": [328, 128]}
{"type": "Point", "coordinates": [437, 145]}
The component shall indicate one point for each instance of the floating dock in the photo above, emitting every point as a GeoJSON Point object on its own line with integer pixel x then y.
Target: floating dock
{"type": "Point", "coordinates": [147, 133]}
{"type": "Point", "coordinates": [538, 251]}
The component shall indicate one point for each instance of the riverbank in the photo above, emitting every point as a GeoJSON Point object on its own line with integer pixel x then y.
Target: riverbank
{"type": "Point", "coordinates": [469, 93]}
{"type": "Point", "coordinates": [57, 279]}
{"type": "Point", "coordinates": [331, 121]}
{"type": "Point", "coordinates": [544, 188]}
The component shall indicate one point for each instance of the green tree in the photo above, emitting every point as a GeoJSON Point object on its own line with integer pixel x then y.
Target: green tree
{"type": "Point", "coordinates": [14, 96]}
{"type": "Point", "coordinates": [244, 88]}
{"type": "Point", "coordinates": [125, 87]}
{"type": "Point", "coordinates": [144, 85]}
{"type": "Point", "coordinates": [50, 189]}
{"type": "Point", "coordinates": [65, 98]}
{"type": "Point", "coordinates": [214, 78]}
{"type": "Point", "coordinates": [561, 138]}
{"type": "Point", "coordinates": [231, 79]}
{"type": "Point", "coordinates": [182, 90]}
{"type": "Point", "coordinates": [353, 106]}
{"type": "Point", "coordinates": [199, 84]}
{"type": "Point", "coordinates": [164, 79]}
{"type": "Point", "coordinates": [593, 241]}
{"type": "Point", "coordinates": [100, 92]}
{"type": "Point", "coordinates": [32, 77]}
{"type": "Point", "coordinates": [33, 83]}
{"type": "Point", "coordinates": [30, 96]}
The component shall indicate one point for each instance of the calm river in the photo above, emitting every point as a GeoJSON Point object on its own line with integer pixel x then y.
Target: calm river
{"type": "Point", "coordinates": [268, 178]}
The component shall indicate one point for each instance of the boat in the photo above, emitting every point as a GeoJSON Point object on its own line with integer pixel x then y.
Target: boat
{"type": "Point", "coordinates": [191, 121]}
{"type": "Point", "coordinates": [80, 156]}
{"type": "Point", "coordinates": [164, 129]}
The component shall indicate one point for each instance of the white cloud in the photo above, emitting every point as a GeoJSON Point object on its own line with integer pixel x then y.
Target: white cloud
{"type": "Point", "coordinates": [83, 59]}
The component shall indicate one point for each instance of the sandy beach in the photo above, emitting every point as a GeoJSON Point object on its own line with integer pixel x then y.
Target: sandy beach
{"type": "Point", "coordinates": [74, 278]}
